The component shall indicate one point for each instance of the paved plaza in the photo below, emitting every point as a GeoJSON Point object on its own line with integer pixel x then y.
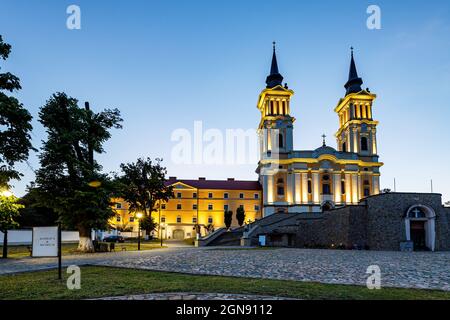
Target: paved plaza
{"type": "Point", "coordinates": [410, 270]}
{"type": "Point", "coordinates": [194, 296]}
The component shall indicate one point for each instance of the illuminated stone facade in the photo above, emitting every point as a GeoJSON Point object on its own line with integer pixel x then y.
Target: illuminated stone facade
{"type": "Point", "coordinates": [322, 179]}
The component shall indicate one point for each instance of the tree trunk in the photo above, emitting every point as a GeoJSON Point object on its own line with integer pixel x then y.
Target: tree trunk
{"type": "Point", "coordinates": [5, 244]}
{"type": "Point", "coordinates": [85, 244]}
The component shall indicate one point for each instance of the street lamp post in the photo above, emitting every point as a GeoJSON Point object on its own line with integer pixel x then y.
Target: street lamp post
{"type": "Point", "coordinates": [160, 227]}
{"type": "Point", "coordinates": [139, 216]}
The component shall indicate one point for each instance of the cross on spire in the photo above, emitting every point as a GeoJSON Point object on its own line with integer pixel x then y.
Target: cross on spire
{"type": "Point", "coordinates": [324, 142]}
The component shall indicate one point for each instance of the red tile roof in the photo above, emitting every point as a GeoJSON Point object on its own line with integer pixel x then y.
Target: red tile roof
{"type": "Point", "coordinates": [218, 184]}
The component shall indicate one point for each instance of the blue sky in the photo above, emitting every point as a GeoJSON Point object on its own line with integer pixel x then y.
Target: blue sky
{"type": "Point", "coordinates": [166, 64]}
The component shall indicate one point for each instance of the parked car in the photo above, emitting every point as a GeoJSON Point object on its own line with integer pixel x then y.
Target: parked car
{"type": "Point", "coordinates": [114, 239]}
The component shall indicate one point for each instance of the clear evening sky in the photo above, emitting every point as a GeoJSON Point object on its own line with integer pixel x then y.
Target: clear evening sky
{"type": "Point", "coordinates": [166, 64]}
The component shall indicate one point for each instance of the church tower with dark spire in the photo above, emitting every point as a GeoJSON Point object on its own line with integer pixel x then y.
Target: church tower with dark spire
{"type": "Point", "coordinates": [276, 124]}
{"type": "Point", "coordinates": [357, 129]}
{"type": "Point", "coordinates": [275, 132]}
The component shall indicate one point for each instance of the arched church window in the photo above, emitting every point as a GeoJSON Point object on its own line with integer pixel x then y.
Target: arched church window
{"type": "Point", "coordinates": [280, 190]}
{"type": "Point", "coordinates": [280, 181]}
{"type": "Point", "coordinates": [343, 187]}
{"type": "Point", "coordinates": [364, 144]}
{"type": "Point", "coordinates": [326, 188]}
{"type": "Point", "coordinates": [309, 187]}
{"type": "Point", "coordinates": [327, 206]}
{"type": "Point", "coordinates": [344, 147]}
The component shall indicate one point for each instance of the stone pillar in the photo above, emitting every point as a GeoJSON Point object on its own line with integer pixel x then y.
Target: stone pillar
{"type": "Point", "coordinates": [355, 140]}
{"type": "Point", "coordinates": [270, 195]}
{"type": "Point", "coordinates": [298, 188]}
{"type": "Point", "coordinates": [304, 187]}
{"type": "Point", "coordinates": [355, 189]}
{"type": "Point", "coordinates": [265, 186]}
{"type": "Point", "coordinates": [316, 188]}
{"type": "Point", "coordinates": [348, 189]}
{"type": "Point", "coordinates": [290, 185]}
{"type": "Point", "coordinates": [337, 188]}
{"type": "Point", "coordinates": [374, 141]}
{"type": "Point", "coordinates": [375, 184]}
{"type": "Point", "coordinates": [360, 187]}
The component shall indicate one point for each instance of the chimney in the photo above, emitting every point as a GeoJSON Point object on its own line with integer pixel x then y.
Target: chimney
{"type": "Point", "coordinates": [230, 179]}
{"type": "Point", "coordinates": [202, 178]}
{"type": "Point", "coordinates": [86, 105]}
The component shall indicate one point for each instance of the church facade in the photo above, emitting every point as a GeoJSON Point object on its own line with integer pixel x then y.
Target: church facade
{"type": "Point", "coordinates": [306, 181]}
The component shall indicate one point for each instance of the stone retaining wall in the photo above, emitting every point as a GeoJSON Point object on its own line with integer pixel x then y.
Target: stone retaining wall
{"type": "Point", "coordinates": [377, 223]}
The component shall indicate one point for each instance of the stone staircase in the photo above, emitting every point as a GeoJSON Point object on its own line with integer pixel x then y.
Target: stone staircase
{"type": "Point", "coordinates": [229, 238]}
{"type": "Point", "coordinates": [233, 237]}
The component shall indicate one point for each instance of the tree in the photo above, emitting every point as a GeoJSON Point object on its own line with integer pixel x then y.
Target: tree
{"type": "Point", "coordinates": [33, 214]}
{"type": "Point", "coordinates": [228, 218]}
{"type": "Point", "coordinates": [9, 211]}
{"type": "Point", "coordinates": [148, 224]}
{"type": "Point", "coordinates": [240, 215]}
{"type": "Point", "coordinates": [69, 179]}
{"type": "Point", "coordinates": [143, 185]}
{"type": "Point", "coordinates": [15, 125]}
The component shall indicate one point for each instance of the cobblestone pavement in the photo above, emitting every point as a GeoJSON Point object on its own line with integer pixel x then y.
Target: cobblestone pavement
{"type": "Point", "coordinates": [193, 296]}
{"type": "Point", "coordinates": [412, 270]}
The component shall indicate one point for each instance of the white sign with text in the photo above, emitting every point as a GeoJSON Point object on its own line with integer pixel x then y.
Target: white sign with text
{"type": "Point", "coordinates": [45, 242]}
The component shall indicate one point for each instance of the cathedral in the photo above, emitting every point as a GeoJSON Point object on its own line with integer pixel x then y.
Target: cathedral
{"type": "Point", "coordinates": [300, 181]}
{"type": "Point", "coordinates": [322, 198]}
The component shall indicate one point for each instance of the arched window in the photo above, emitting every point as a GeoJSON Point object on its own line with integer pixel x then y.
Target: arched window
{"type": "Point", "coordinates": [327, 206]}
{"type": "Point", "coordinates": [364, 144]}
{"type": "Point", "coordinates": [344, 147]}
{"type": "Point", "coordinates": [280, 187]}
{"type": "Point", "coordinates": [326, 189]}
{"type": "Point", "coordinates": [280, 141]}
{"type": "Point", "coordinates": [280, 190]}
{"type": "Point", "coordinates": [417, 213]}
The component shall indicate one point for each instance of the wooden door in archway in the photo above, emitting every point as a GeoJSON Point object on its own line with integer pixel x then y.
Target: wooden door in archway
{"type": "Point", "coordinates": [418, 235]}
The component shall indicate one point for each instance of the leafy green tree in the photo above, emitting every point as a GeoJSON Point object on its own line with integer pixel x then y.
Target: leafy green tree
{"type": "Point", "coordinates": [143, 185]}
{"type": "Point", "coordinates": [228, 218]}
{"type": "Point", "coordinates": [148, 224]}
{"type": "Point", "coordinates": [70, 180]}
{"type": "Point", "coordinates": [34, 214]}
{"type": "Point", "coordinates": [9, 211]}
{"type": "Point", "coordinates": [15, 125]}
{"type": "Point", "coordinates": [240, 215]}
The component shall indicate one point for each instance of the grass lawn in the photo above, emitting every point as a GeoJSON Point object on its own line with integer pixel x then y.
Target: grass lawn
{"type": "Point", "coordinates": [104, 281]}
{"type": "Point", "coordinates": [16, 252]}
